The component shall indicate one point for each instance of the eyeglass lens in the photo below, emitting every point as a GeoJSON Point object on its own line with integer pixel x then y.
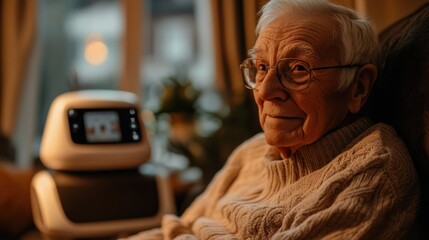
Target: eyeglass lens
{"type": "Point", "coordinates": [293, 74]}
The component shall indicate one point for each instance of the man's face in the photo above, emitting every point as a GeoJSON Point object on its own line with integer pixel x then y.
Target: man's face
{"type": "Point", "coordinates": [291, 119]}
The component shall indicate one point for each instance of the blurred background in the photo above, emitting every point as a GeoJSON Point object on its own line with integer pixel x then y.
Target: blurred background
{"type": "Point", "coordinates": [181, 57]}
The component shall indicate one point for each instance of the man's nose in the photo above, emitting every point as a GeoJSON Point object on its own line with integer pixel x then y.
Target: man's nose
{"type": "Point", "coordinates": [271, 88]}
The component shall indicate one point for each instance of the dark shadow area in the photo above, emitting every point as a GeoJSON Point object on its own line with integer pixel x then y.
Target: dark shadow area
{"type": "Point", "coordinates": [401, 94]}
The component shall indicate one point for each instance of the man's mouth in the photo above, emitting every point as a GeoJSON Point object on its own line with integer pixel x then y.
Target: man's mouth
{"type": "Point", "coordinates": [285, 117]}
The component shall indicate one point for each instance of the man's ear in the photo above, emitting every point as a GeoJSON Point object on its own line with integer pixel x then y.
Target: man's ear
{"type": "Point", "coordinates": [361, 87]}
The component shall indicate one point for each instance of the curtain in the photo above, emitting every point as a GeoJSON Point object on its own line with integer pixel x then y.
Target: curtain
{"type": "Point", "coordinates": [17, 32]}
{"type": "Point", "coordinates": [132, 42]}
{"type": "Point", "coordinates": [234, 25]}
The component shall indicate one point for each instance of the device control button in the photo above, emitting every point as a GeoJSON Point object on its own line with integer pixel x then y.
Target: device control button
{"type": "Point", "coordinates": [136, 136]}
{"type": "Point", "coordinates": [133, 125]}
{"type": "Point", "coordinates": [75, 127]}
{"type": "Point", "coordinates": [72, 113]}
{"type": "Point", "coordinates": [132, 112]}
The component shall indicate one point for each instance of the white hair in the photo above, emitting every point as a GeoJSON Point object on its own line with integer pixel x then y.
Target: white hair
{"type": "Point", "coordinates": [356, 35]}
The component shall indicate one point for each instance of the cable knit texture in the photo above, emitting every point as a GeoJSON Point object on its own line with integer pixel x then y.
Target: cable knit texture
{"type": "Point", "coordinates": [355, 183]}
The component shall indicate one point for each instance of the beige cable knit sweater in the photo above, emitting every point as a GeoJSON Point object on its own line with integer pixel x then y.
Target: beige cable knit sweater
{"type": "Point", "coordinates": [355, 183]}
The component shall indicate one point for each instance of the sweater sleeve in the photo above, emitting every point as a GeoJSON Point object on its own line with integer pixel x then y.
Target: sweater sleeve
{"type": "Point", "coordinates": [179, 228]}
{"type": "Point", "coordinates": [219, 186]}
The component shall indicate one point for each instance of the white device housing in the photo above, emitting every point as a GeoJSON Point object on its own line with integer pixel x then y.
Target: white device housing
{"type": "Point", "coordinates": [52, 221]}
{"type": "Point", "coordinates": [59, 152]}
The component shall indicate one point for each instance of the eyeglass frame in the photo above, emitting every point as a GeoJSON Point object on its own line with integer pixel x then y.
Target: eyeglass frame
{"type": "Point", "coordinates": [309, 69]}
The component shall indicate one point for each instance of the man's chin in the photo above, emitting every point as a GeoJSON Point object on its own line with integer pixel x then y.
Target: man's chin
{"type": "Point", "coordinates": [280, 139]}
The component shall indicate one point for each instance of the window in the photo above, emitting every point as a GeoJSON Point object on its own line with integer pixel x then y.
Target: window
{"type": "Point", "coordinates": [80, 46]}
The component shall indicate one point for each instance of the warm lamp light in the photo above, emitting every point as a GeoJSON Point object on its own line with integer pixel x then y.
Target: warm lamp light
{"type": "Point", "coordinates": [96, 52]}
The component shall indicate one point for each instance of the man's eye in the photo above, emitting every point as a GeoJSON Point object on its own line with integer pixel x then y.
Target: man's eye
{"type": "Point", "coordinates": [298, 73]}
{"type": "Point", "coordinates": [298, 68]}
{"type": "Point", "coordinates": [261, 67]}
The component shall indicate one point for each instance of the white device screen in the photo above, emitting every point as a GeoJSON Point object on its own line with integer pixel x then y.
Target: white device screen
{"type": "Point", "coordinates": [102, 127]}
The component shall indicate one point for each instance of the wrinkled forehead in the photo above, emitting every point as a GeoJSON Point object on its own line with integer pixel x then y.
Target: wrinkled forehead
{"type": "Point", "coordinates": [312, 35]}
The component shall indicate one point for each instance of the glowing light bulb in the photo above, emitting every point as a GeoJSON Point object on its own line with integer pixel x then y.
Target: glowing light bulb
{"type": "Point", "coordinates": [96, 52]}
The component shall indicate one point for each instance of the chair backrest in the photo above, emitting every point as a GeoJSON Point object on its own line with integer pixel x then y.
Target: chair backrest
{"type": "Point", "coordinates": [401, 93]}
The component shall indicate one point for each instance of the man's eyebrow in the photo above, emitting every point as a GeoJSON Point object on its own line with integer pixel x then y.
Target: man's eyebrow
{"type": "Point", "coordinates": [301, 49]}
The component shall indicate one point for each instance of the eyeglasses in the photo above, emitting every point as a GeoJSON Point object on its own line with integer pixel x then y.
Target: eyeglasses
{"type": "Point", "coordinates": [293, 74]}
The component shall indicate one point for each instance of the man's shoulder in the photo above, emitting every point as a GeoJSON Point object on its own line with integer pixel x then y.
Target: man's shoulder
{"type": "Point", "coordinates": [251, 149]}
{"type": "Point", "coordinates": [255, 144]}
{"type": "Point", "coordinates": [258, 138]}
{"type": "Point", "coordinates": [380, 147]}
{"type": "Point", "coordinates": [381, 138]}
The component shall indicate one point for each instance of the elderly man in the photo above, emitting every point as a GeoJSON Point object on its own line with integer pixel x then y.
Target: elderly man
{"type": "Point", "coordinates": [320, 170]}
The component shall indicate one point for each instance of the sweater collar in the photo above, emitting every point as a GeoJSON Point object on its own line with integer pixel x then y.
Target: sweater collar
{"type": "Point", "coordinates": [312, 157]}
